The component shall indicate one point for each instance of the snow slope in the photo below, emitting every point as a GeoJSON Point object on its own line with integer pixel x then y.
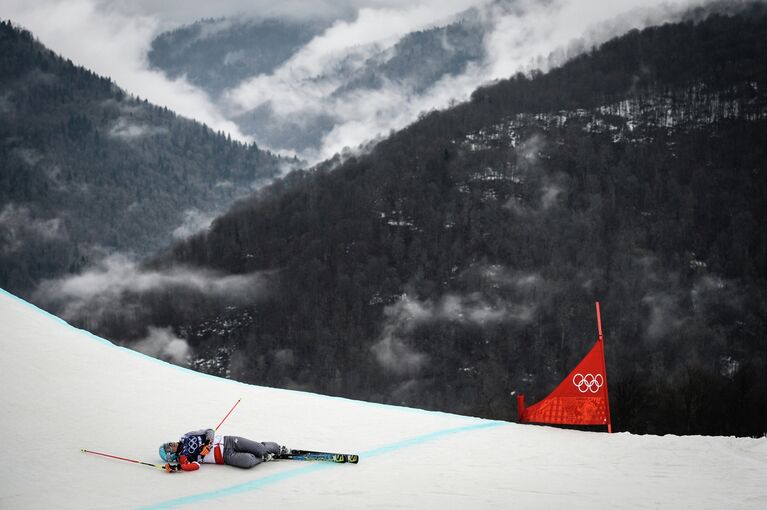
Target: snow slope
{"type": "Point", "coordinates": [64, 389]}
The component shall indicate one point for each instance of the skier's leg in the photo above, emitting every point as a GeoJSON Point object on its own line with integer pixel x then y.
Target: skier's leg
{"type": "Point", "coordinates": [242, 453]}
{"type": "Point", "coordinates": [242, 444]}
{"type": "Point", "coordinates": [271, 447]}
{"type": "Point", "coordinates": [242, 460]}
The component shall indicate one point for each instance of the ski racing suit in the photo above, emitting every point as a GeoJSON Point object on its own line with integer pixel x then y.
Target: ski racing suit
{"type": "Point", "coordinates": [203, 446]}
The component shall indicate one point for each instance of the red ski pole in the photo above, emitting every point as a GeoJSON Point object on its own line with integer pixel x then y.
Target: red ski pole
{"type": "Point", "coordinates": [227, 414]}
{"type": "Point", "coordinates": [157, 466]}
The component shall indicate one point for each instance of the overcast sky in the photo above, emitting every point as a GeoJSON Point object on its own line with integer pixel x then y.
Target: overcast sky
{"type": "Point", "coordinates": [112, 37]}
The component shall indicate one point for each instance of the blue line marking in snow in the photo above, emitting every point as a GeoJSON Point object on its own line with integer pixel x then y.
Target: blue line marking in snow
{"type": "Point", "coordinates": [277, 477]}
{"type": "Point", "coordinates": [293, 473]}
{"type": "Point", "coordinates": [414, 441]}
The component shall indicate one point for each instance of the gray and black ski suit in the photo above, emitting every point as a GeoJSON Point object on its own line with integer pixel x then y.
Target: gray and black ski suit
{"type": "Point", "coordinates": [230, 450]}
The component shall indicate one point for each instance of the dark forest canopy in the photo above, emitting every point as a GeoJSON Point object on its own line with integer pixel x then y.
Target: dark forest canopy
{"type": "Point", "coordinates": [459, 261]}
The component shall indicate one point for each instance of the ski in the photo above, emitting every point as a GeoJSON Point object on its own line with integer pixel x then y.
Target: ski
{"type": "Point", "coordinates": [309, 455]}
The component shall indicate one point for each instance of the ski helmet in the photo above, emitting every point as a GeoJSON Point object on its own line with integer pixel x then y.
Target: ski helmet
{"type": "Point", "coordinates": [167, 454]}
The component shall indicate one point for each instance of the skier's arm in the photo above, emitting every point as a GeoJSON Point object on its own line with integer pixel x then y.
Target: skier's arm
{"type": "Point", "coordinates": [184, 464]}
{"type": "Point", "coordinates": [206, 446]}
{"type": "Point", "coordinates": [208, 433]}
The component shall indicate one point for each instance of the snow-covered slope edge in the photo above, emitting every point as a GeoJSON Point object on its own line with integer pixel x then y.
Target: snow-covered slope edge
{"type": "Point", "coordinates": [63, 389]}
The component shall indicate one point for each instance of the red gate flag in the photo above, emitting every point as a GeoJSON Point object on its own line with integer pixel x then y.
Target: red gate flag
{"type": "Point", "coordinates": [580, 399]}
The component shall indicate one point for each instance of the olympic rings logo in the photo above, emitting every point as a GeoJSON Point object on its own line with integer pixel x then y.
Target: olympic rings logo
{"type": "Point", "coordinates": [588, 382]}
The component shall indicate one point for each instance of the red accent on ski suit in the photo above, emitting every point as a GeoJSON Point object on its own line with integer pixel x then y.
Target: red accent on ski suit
{"type": "Point", "coordinates": [186, 465]}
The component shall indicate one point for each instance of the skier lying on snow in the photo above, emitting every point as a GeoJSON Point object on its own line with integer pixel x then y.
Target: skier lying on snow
{"type": "Point", "coordinates": [203, 445]}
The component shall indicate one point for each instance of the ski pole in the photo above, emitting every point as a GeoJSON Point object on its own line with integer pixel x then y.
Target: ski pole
{"type": "Point", "coordinates": [157, 466]}
{"type": "Point", "coordinates": [227, 414]}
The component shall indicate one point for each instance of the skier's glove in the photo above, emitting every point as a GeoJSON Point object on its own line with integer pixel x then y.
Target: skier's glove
{"type": "Point", "coordinates": [205, 448]}
{"type": "Point", "coordinates": [171, 468]}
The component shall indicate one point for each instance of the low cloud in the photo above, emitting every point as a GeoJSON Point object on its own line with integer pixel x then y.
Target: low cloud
{"type": "Point", "coordinates": [393, 350]}
{"type": "Point", "coordinates": [395, 355]}
{"type": "Point", "coordinates": [529, 151]}
{"type": "Point", "coordinates": [523, 283]}
{"type": "Point", "coordinates": [163, 344]}
{"type": "Point", "coordinates": [29, 156]}
{"type": "Point", "coordinates": [106, 289]}
{"type": "Point", "coordinates": [665, 316]}
{"type": "Point", "coordinates": [550, 194]}
{"type": "Point", "coordinates": [194, 221]}
{"type": "Point", "coordinates": [529, 154]}
{"type": "Point", "coordinates": [675, 306]}
{"type": "Point", "coordinates": [285, 357]}
{"type": "Point", "coordinates": [18, 224]}
{"type": "Point", "coordinates": [126, 130]}
{"type": "Point", "coordinates": [6, 105]}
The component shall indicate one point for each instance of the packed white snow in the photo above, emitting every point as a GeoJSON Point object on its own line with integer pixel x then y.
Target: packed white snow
{"type": "Point", "coordinates": [64, 389]}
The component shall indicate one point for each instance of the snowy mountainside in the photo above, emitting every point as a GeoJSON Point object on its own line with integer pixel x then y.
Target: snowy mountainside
{"type": "Point", "coordinates": [65, 389]}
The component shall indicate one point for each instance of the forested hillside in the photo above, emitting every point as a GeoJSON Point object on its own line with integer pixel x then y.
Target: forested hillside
{"type": "Point", "coordinates": [87, 169]}
{"type": "Point", "coordinates": [459, 262]}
